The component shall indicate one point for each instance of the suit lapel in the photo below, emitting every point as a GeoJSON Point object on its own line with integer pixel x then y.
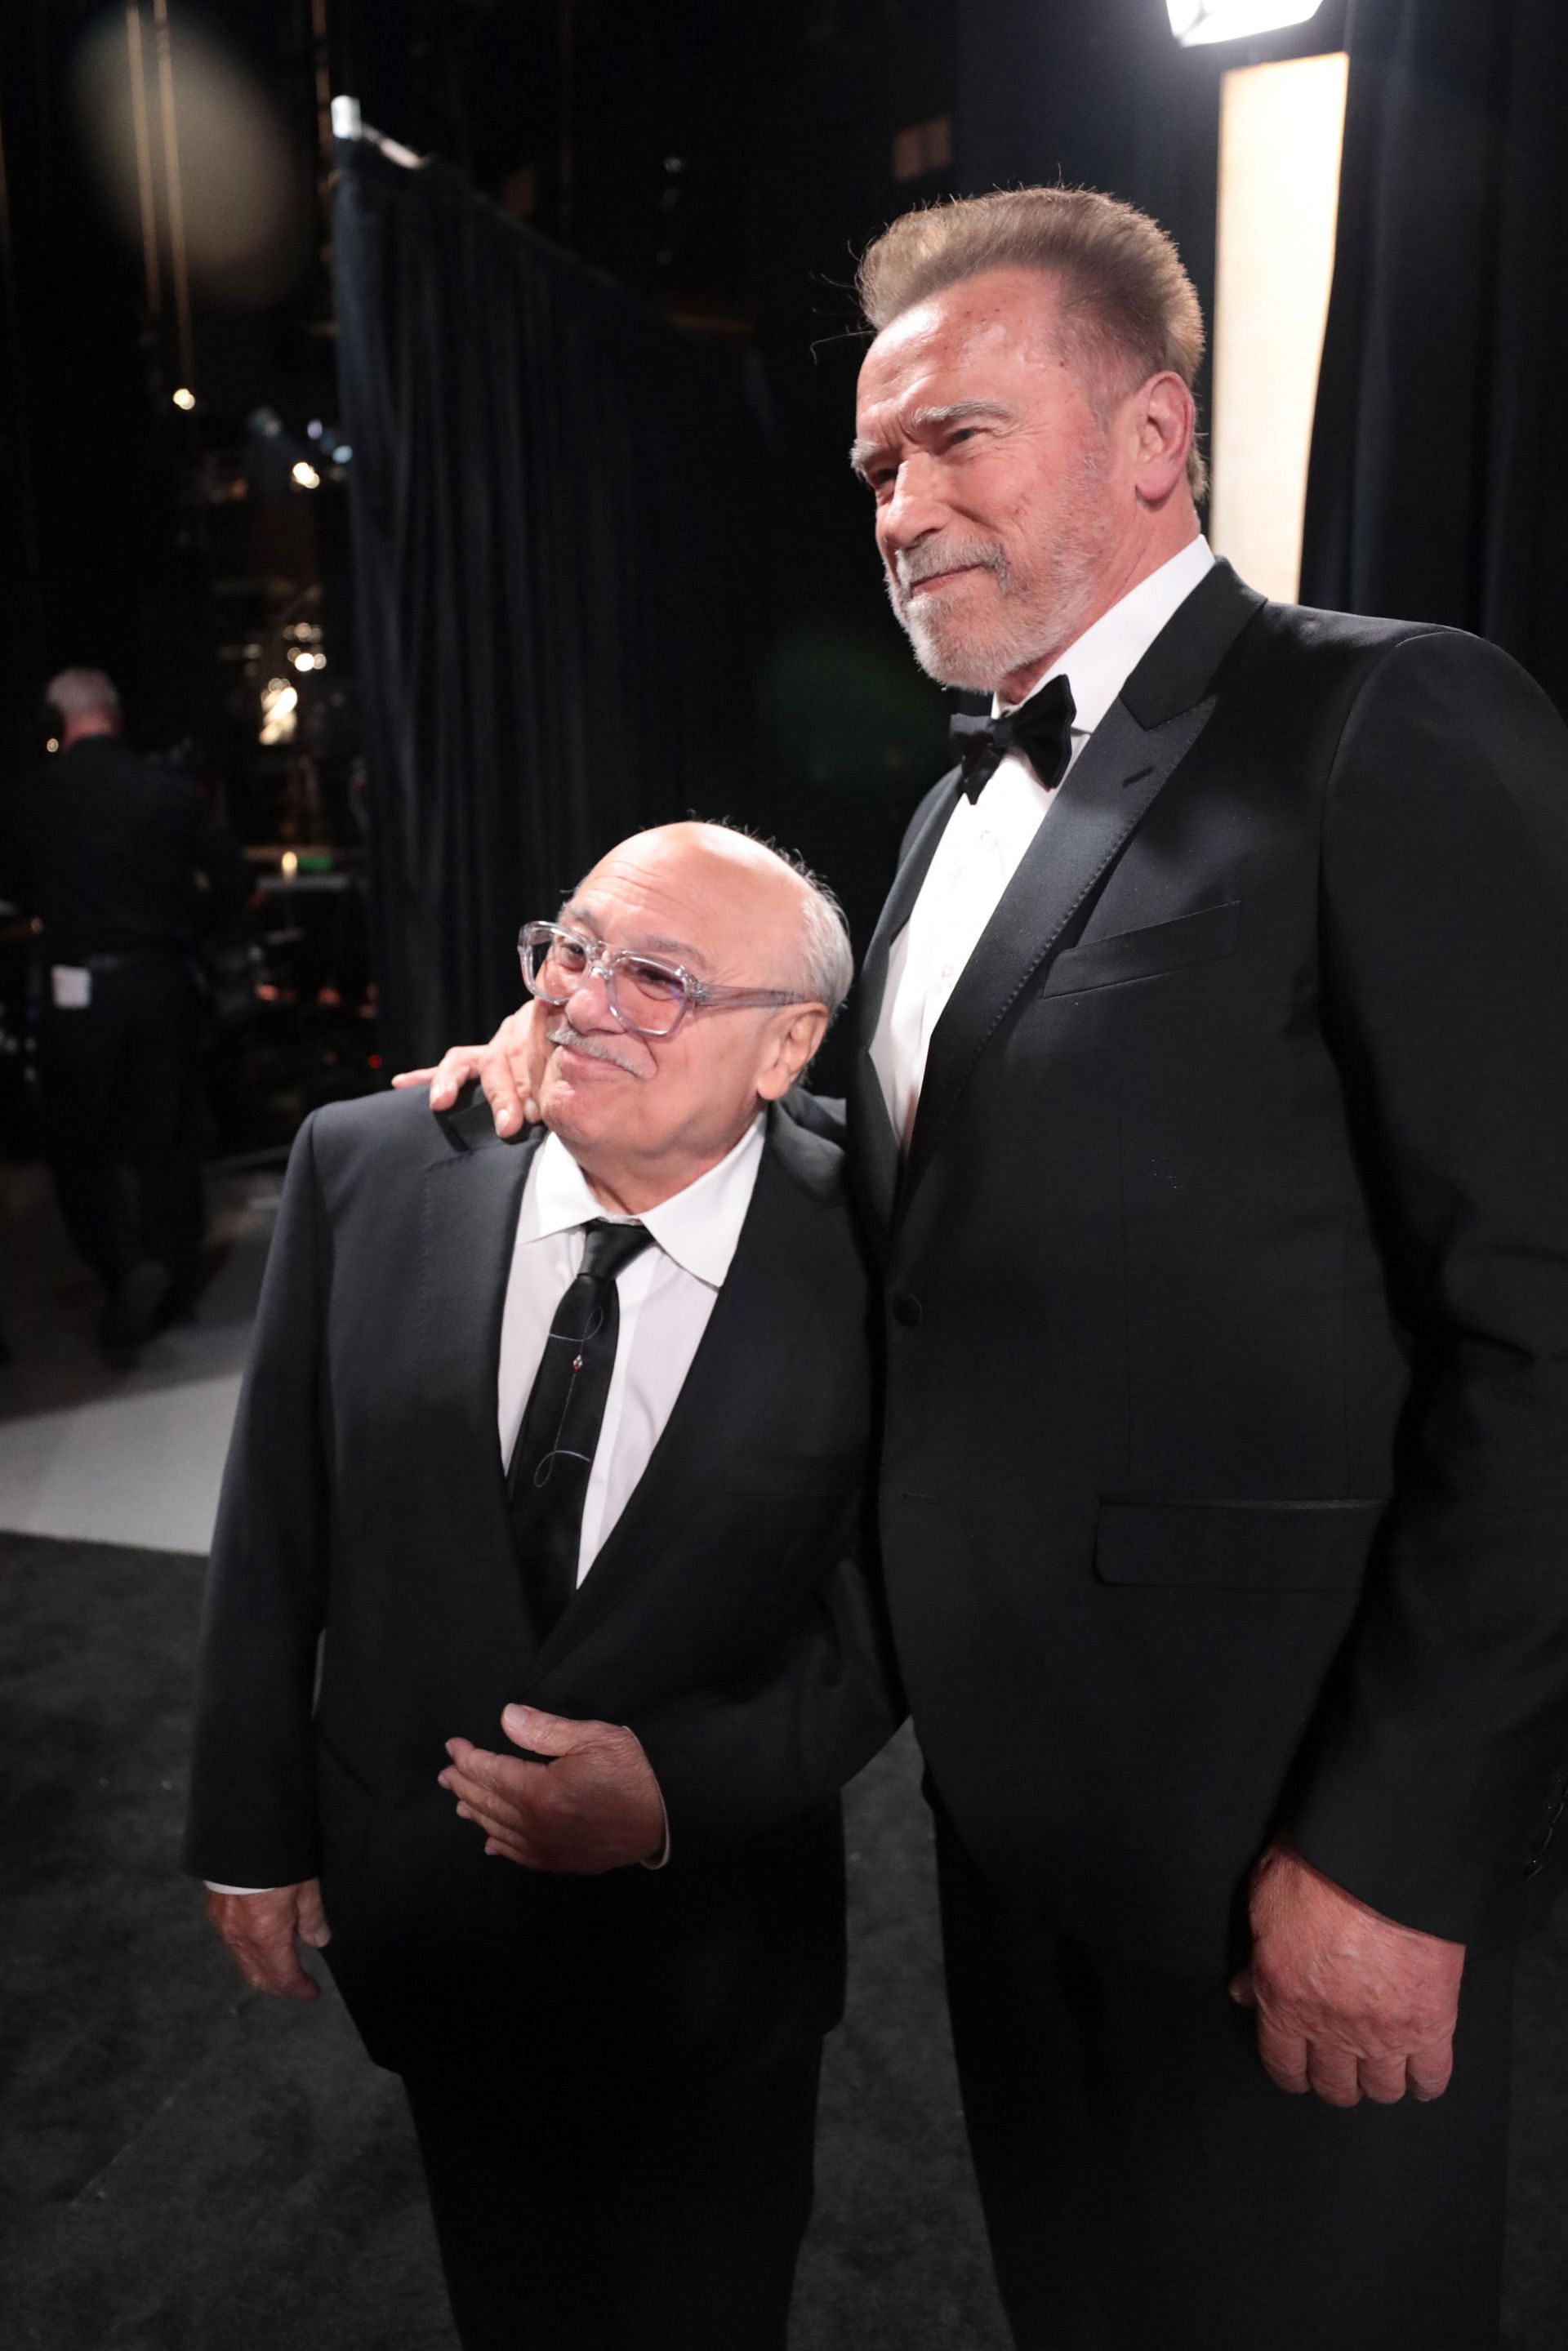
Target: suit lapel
{"type": "Point", "coordinates": [730, 1391]}
{"type": "Point", "coordinates": [473, 1190]}
{"type": "Point", "coordinates": [1163, 709]}
{"type": "Point", "coordinates": [874, 1144]}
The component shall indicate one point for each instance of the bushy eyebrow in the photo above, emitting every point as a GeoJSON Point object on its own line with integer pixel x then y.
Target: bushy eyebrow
{"type": "Point", "coordinates": [931, 419]}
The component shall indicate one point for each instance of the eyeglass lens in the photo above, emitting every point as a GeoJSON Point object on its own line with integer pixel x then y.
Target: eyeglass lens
{"type": "Point", "coordinates": [646, 995]}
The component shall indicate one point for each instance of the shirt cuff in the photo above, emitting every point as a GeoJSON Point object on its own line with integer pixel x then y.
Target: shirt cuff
{"type": "Point", "coordinates": [214, 1889]}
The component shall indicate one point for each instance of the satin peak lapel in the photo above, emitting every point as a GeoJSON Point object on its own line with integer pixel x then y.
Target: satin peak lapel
{"type": "Point", "coordinates": [1099, 804]}
{"type": "Point", "coordinates": [874, 1146]}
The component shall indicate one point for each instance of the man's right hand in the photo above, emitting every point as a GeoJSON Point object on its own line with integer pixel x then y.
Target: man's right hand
{"type": "Point", "coordinates": [260, 1930]}
{"type": "Point", "coordinates": [507, 1068]}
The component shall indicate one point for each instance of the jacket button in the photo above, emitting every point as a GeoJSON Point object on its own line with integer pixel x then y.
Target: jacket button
{"type": "Point", "coordinates": [907, 1310]}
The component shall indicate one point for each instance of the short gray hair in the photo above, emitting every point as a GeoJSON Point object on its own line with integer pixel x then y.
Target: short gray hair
{"type": "Point", "coordinates": [1129, 309]}
{"type": "Point", "coordinates": [85, 693]}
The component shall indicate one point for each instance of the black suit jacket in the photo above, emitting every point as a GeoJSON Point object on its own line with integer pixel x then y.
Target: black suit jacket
{"type": "Point", "coordinates": [119, 855]}
{"type": "Point", "coordinates": [364, 1605]}
{"type": "Point", "coordinates": [1225, 1482]}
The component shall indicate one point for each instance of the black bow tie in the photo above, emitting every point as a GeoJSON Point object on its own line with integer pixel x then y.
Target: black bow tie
{"type": "Point", "coordinates": [1041, 728]}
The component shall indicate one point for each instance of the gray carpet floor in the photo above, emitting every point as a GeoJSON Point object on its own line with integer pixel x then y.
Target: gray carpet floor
{"type": "Point", "coordinates": [187, 2167]}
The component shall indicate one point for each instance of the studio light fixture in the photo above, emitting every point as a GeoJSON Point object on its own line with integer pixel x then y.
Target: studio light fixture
{"type": "Point", "coordinates": [1194, 21]}
{"type": "Point", "coordinates": [184, 397]}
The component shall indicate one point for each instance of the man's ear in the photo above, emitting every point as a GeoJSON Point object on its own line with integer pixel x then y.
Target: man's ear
{"type": "Point", "coordinates": [792, 1047]}
{"type": "Point", "coordinates": [1166, 421]}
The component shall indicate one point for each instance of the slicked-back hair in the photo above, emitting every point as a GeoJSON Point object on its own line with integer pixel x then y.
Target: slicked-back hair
{"type": "Point", "coordinates": [1128, 308]}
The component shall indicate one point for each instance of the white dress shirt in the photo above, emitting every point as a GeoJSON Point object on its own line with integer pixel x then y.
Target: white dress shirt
{"type": "Point", "coordinates": [664, 1295]}
{"type": "Point", "coordinates": [985, 840]}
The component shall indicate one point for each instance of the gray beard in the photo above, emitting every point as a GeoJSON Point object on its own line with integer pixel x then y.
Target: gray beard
{"type": "Point", "coordinates": [1042, 625]}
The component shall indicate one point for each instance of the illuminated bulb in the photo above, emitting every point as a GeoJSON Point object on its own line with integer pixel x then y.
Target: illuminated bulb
{"type": "Point", "coordinates": [53, 744]}
{"type": "Point", "coordinates": [290, 863]}
{"type": "Point", "coordinates": [305, 474]}
{"type": "Point", "coordinates": [184, 397]}
{"type": "Point", "coordinates": [1196, 21]}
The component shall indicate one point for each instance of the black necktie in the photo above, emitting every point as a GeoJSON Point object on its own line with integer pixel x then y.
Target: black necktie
{"type": "Point", "coordinates": [553, 1457]}
{"type": "Point", "coordinates": [1041, 728]}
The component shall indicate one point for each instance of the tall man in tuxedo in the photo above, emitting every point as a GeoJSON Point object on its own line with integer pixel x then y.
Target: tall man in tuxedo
{"type": "Point", "coordinates": [603, 1965]}
{"type": "Point", "coordinates": [1209, 1111]}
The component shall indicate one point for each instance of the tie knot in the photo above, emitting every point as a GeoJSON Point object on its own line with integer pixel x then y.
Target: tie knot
{"type": "Point", "coordinates": [608, 1249]}
{"type": "Point", "coordinates": [1041, 728]}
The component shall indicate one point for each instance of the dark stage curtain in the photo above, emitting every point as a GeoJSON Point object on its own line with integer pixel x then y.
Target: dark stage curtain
{"type": "Point", "coordinates": [545, 491]}
{"type": "Point", "coordinates": [1438, 487]}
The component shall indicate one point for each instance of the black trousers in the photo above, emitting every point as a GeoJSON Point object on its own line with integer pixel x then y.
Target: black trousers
{"type": "Point", "coordinates": [119, 1102]}
{"type": "Point", "coordinates": [670, 2224]}
{"type": "Point", "coordinates": [1146, 2188]}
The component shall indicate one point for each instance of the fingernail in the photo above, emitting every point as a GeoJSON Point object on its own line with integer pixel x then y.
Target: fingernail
{"type": "Point", "coordinates": [464, 1813]}
{"type": "Point", "coordinates": [505, 1120]}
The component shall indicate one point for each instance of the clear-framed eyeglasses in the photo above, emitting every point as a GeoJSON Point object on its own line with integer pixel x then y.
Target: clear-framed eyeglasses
{"type": "Point", "coordinates": [645, 993]}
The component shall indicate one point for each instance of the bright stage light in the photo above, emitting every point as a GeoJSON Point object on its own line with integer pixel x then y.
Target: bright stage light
{"type": "Point", "coordinates": [1194, 21]}
{"type": "Point", "coordinates": [184, 399]}
{"type": "Point", "coordinates": [288, 865]}
{"type": "Point", "coordinates": [306, 475]}
{"type": "Point", "coordinates": [1282, 128]}
{"type": "Point", "coordinates": [279, 711]}
{"type": "Point", "coordinates": [245, 219]}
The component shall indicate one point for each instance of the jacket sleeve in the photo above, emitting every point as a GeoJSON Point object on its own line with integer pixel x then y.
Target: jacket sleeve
{"type": "Point", "coordinates": [252, 1816]}
{"type": "Point", "coordinates": [769, 1751]}
{"type": "Point", "coordinates": [1445, 907]}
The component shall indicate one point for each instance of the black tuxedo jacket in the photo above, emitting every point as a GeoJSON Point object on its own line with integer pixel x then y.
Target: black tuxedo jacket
{"type": "Point", "coordinates": [1225, 1482]}
{"type": "Point", "coordinates": [364, 1605]}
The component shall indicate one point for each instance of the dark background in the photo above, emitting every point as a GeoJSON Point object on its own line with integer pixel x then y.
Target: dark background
{"type": "Point", "coordinates": [720, 168]}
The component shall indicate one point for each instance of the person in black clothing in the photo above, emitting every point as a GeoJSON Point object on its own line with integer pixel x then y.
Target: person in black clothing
{"type": "Point", "coordinates": [125, 867]}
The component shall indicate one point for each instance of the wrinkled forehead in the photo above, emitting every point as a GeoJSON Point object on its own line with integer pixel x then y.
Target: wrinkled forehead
{"type": "Point", "coordinates": [676, 900]}
{"type": "Point", "coordinates": [985, 336]}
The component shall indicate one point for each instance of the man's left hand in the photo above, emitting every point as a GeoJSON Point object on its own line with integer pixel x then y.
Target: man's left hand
{"type": "Point", "coordinates": [594, 1805]}
{"type": "Point", "coordinates": [1348, 2004]}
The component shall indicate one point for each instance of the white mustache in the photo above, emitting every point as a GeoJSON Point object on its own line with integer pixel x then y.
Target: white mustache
{"type": "Point", "coordinates": [923, 562]}
{"type": "Point", "coordinates": [564, 1033]}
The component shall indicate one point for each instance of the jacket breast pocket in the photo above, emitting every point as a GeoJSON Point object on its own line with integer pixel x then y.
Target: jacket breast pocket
{"type": "Point", "coordinates": [1235, 1546]}
{"type": "Point", "coordinates": [1203, 938]}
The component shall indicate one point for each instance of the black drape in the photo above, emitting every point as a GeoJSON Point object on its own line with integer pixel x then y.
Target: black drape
{"type": "Point", "coordinates": [1438, 487]}
{"type": "Point", "coordinates": [545, 493]}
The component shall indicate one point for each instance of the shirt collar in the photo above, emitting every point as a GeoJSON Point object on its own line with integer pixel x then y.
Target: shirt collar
{"type": "Point", "coordinates": [1105, 657]}
{"type": "Point", "coordinates": [699, 1228]}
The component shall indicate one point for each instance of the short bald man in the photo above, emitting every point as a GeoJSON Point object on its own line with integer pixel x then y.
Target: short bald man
{"type": "Point", "coordinates": [537, 1642]}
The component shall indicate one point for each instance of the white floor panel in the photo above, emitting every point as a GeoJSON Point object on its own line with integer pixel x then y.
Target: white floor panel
{"type": "Point", "coordinates": [98, 1452]}
{"type": "Point", "coordinates": [143, 1469]}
